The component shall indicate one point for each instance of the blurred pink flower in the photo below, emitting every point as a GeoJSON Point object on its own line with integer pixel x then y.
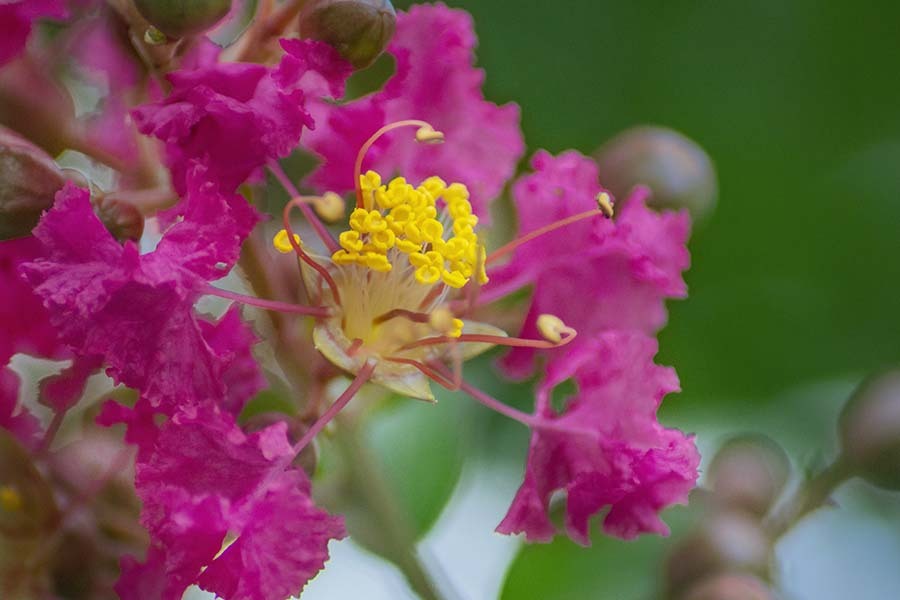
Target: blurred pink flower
{"type": "Point", "coordinates": [435, 81]}
{"type": "Point", "coordinates": [605, 448]}
{"type": "Point", "coordinates": [16, 20]}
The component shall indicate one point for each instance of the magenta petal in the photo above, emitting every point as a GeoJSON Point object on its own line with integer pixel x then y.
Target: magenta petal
{"type": "Point", "coordinates": [62, 391]}
{"type": "Point", "coordinates": [435, 81]}
{"type": "Point", "coordinates": [624, 269]}
{"type": "Point", "coordinates": [16, 20]}
{"type": "Point", "coordinates": [203, 478]}
{"type": "Point", "coordinates": [606, 449]}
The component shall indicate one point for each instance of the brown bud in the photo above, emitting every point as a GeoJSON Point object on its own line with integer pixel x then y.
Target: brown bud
{"type": "Point", "coordinates": [29, 179]}
{"type": "Point", "coordinates": [870, 430]}
{"type": "Point", "coordinates": [730, 586]}
{"type": "Point", "coordinates": [122, 219]}
{"type": "Point", "coordinates": [180, 18]}
{"type": "Point", "coordinates": [27, 506]}
{"type": "Point", "coordinates": [359, 29]}
{"type": "Point", "coordinates": [676, 169]}
{"type": "Point", "coordinates": [749, 472]}
{"type": "Point", "coordinates": [35, 105]}
{"type": "Point", "coordinates": [724, 542]}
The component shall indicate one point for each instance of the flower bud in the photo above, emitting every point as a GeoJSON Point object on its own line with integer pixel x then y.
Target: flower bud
{"type": "Point", "coordinates": [725, 542]}
{"type": "Point", "coordinates": [749, 472]}
{"type": "Point", "coordinates": [122, 220]}
{"type": "Point", "coordinates": [29, 179]}
{"type": "Point", "coordinates": [677, 170]}
{"type": "Point", "coordinates": [36, 106]}
{"type": "Point", "coordinates": [27, 507]}
{"type": "Point", "coordinates": [180, 18]}
{"type": "Point", "coordinates": [730, 586]}
{"type": "Point", "coordinates": [870, 430]}
{"type": "Point", "coordinates": [359, 29]}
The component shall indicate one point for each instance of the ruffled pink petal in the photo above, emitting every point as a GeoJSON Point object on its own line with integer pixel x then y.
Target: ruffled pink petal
{"type": "Point", "coordinates": [16, 20]}
{"type": "Point", "coordinates": [435, 81]}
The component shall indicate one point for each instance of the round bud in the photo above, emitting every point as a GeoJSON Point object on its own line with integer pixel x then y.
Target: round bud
{"type": "Point", "coordinates": [870, 430]}
{"type": "Point", "coordinates": [730, 586]}
{"type": "Point", "coordinates": [180, 18]}
{"type": "Point", "coordinates": [749, 472]}
{"type": "Point", "coordinates": [122, 220]}
{"type": "Point", "coordinates": [359, 30]}
{"type": "Point", "coordinates": [724, 542]}
{"type": "Point", "coordinates": [29, 179]}
{"type": "Point", "coordinates": [677, 170]}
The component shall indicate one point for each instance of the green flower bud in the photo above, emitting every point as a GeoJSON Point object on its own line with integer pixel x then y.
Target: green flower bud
{"type": "Point", "coordinates": [730, 586]}
{"type": "Point", "coordinates": [676, 169]}
{"type": "Point", "coordinates": [181, 18]}
{"type": "Point", "coordinates": [359, 29]}
{"type": "Point", "coordinates": [724, 542]}
{"type": "Point", "coordinates": [29, 179]}
{"type": "Point", "coordinates": [869, 429]}
{"type": "Point", "coordinates": [749, 472]}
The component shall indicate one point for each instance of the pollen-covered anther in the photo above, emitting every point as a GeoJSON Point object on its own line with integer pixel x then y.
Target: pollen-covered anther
{"type": "Point", "coordinates": [443, 321]}
{"type": "Point", "coordinates": [553, 329]}
{"type": "Point", "coordinates": [429, 135]}
{"type": "Point", "coordinates": [329, 206]}
{"type": "Point", "coordinates": [283, 244]}
{"type": "Point", "coordinates": [10, 499]}
{"type": "Point", "coordinates": [604, 203]}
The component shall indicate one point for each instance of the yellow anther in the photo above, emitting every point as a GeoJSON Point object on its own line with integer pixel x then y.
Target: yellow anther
{"type": "Point", "coordinates": [407, 246]}
{"type": "Point", "coordinates": [428, 274]}
{"type": "Point", "coordinates": [350, 241]}
{"type": "Point", "coordinates": [454, 279]}
{"type": "Point", "coordinates": [377, 262]}
{"type": "Point", "coordinates": [374, 222]}
{"type": "Point", "coordinates": [442, 320]}
{"type": "Point", "coordinates": [435, 186]}
{"type": "Point", "coordinates": [456, 192]}
{"type": "Point", "coordinates": [370, 182]}
{"type": "Point", "coordinates": [383, 240]}
{"type": "Point", "coordinates": [330, 207]}
{"type": "Point", "coordinates": [282, 243]}
{"type": "Point", "coordinates": [413, 233]}
{"type": "Point", "coordinates": [482, 260]}
{"type": "Point", "coordinates": [432, 230]}
{"type": "Point", "coordinates": [10, 499]}
{"type": "Point", "coordinates": [358, 219]}
{"type": "Point", "coordinates": [604, 203]}
{"type": "Point", "coordinates": [552, 328]}
{"type": "Point", "coordinates": [428, 135]}
{"type": "Point", "coordinates": [342, 257]}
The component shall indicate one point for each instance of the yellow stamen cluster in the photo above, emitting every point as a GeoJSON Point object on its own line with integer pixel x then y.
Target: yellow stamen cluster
{"type": "Point", "coordinates": [399, 219]}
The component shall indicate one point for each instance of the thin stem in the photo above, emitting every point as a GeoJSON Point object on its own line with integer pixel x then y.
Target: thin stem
{"type": "Point", "coordinates": [307, 211]}
{"type": "Point", "coordinates": [496, 405]}
{"type": "Point", "coordinates": [81, 144]}
{"type": "Point", "coordinates": [364, 374]}
{"type": "Point", "coordinates": [489, 339]}
{"type": "Point", "coordinates": [361, 155]}
{"type": "Point", "coordinates": [267, 26]}
{"type": "Point", "coordinates": [52, 429]}
{"type": "Point", "coordinates": [284, 307]}
{"type": "Point", "coordinates": [506, 249]}
{"type": "Point", "coordinates": [811, 496]}
{"type": "Point", "coordinates": [293, 240]}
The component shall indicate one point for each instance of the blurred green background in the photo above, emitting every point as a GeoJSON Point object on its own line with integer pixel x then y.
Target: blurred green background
{"type": "Point", "coordinates": [795, 279]}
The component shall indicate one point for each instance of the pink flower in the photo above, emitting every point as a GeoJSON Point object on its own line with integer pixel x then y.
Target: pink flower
{"type": "Point", "coordinates": [621, 271]}
{"type": "Point", "coordinates": [137, 311]}
{"type": "Point", "coordinates": [435, 81]}
{"type": "Point", "coordinates": [16, 20]}
{"type": "Point", "coordinates": [234, 117]}
{"type": "Point", "coordinates": [605, 448]}
{"type": "Point", "coordinates": [202, 479]}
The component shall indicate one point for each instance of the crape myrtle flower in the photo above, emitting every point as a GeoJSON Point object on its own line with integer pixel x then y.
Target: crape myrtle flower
{"type": "Point", "coordinates": [234, 117]}
{"type": "Point", "coordinates": [17, 19]}
{"type": "Point", "coordinates": [435, 81]}
{"type": "Point", "coordinates": [137, 310]}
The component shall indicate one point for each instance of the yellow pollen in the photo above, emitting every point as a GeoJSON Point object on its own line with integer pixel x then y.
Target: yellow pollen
{"type": "Point", "coordinates": [428, 135]}
{"type": "Point", "coordinates": [604, 203]}
{"type": "Point", "coordinates": [431, 227]}
{"type": "Point", "coordinates": [282, 243]}
{"type": "Point", "coordinates": [330, 207]}
{"type": "Point", "coordinates": [443, 321]}
{"type": "Point", "coordinates": [552, 328]}
{"type": "Point", "coordinates": [10, 499]}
